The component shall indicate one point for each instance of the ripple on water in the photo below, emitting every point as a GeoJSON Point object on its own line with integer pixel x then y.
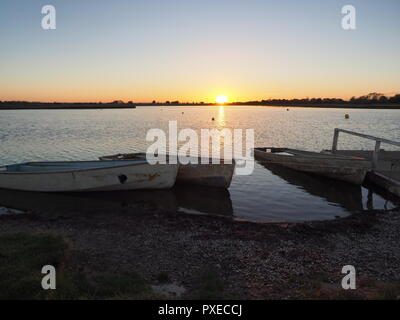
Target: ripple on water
{"type": "Point", "coordinates": [269, 194]}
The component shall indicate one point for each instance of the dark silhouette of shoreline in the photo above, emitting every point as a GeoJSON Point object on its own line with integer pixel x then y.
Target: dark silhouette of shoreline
{"type": "Point", "coordinates": [16, 105]}
{"type": "Point", "coordinates": [370, 101]}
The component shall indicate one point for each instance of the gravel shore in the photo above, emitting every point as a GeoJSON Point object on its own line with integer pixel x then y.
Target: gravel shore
{"type": "Point", "coordinates": [252, 260]}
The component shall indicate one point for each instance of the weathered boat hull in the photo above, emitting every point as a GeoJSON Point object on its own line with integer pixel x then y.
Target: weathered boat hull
{"type": "Point", "coordinates": [334, 167]}
{"type": "Point", "coordinates": [36, 176]}
{"type": "Point", "coordinates": [387, 160]}
{"type": "Point", "coordinates": [208, 174]}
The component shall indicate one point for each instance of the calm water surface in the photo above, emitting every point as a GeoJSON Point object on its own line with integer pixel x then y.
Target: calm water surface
{"type": "Point", "coordinates": [269, 194]}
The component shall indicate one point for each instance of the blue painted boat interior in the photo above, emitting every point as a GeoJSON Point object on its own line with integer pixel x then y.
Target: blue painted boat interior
{"type": "Point", "coordinates": [66, 166]}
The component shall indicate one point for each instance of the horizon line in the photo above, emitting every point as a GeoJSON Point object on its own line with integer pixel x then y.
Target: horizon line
{"type": "Point", "coordinates": [371, 96]}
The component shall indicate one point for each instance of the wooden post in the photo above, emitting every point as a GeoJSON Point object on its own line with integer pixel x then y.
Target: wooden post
{"type": "Point", "coordinates": [335, 140]}
{"type": "Point", "coordinates": [375, 154]}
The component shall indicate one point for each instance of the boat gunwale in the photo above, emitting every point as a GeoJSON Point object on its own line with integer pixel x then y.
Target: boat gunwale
{"type": "Point", "coordinates": [222, 161]}
{"type": "Point", "coordinates": [309, 155]}
{"type": "Point", "coordinates": [73, 170]}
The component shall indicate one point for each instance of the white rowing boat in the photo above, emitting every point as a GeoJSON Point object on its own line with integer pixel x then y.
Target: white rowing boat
{"type": "Point", "coordinates": [76, 176]}
{"type": "Point", "coordinates": [202, 173]}
{"type": "Point", "coordinates": [338, 167]}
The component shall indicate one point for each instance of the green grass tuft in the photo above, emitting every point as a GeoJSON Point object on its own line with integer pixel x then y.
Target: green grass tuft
{"type": "Point", "coordinates": [22, 257]}
{"type": "Point", "coordinates": [210, 286]}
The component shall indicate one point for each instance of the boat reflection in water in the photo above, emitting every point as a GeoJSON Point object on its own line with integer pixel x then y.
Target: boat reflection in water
{"type": "Point", "coordinates": [197, 199]}
{"type": "Point", "coordinates": [350, 197]}
{"type": "Point", "coordinates": [189, 200]}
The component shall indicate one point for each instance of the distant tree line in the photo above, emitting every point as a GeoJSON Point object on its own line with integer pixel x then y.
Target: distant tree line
{"type": "Point", "coordinates": [369, 100]}
{"type": "Point", "coordinates": [65, 105]}
{"type": "Point", "coordinates": [375, 97]}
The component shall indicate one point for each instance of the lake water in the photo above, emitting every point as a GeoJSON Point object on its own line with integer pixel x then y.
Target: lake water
{"type": "Point", "coordinates": [269, 194]}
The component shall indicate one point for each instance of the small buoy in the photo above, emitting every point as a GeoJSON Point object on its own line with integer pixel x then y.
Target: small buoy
{"type": "Point", "coordinates": [212, 119]}
{"type": "Point", "coordinates": [346, 116]}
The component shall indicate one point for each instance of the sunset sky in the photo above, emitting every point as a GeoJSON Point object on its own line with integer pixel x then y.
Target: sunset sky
{"type": "Point", "coordinates": [195, 50]}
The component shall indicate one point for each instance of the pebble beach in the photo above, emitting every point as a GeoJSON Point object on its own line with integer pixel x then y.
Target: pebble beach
{"type": "Point", "coordinates": [251, 260]}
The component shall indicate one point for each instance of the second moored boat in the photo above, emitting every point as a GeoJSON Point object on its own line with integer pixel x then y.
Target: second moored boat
{"type": "Point", "coordinates": [338, 167]}
{"type": "Point", "coordinates": [218, 175]}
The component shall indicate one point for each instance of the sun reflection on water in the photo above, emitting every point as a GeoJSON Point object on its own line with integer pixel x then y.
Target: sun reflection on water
{"type": "Point", "coordinates": [221, 117]}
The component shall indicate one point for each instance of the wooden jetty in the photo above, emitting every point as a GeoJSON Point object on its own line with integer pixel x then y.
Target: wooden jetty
{"type": "Point", "coordinates": [385, 171]}
{"type": "Point", "coordinates": [334, 166]}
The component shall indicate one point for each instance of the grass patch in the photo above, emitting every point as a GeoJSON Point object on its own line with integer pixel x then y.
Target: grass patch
{"type": "Point", "coordinates": [388, 291]}
{"type": "Point", "coordinates": [210, 286]}
{"type": "Point", "coordinates": [367, 288]}
{"type": "Point", "coordinates": [23, 255]}
{"type": "Point", "coordinates": [129, 285]}
{"type": "Point", "coordinates": [163, 278]}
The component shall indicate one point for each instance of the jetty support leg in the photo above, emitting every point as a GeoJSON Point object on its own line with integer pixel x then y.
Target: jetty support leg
{"type": "Point", "coordinates": [335, 140]}
{"type": "Point", "coordinates": [375, 154]}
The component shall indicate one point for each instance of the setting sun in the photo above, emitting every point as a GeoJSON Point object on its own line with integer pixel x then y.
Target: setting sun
{"type": "Point", "coordinates": [221, 99]}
